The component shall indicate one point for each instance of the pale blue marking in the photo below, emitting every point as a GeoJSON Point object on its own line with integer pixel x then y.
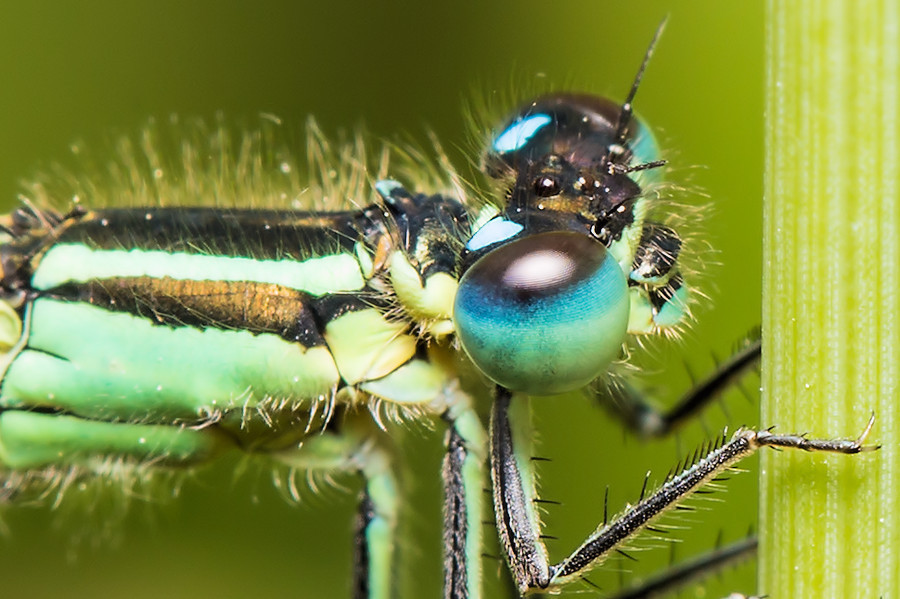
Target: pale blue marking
{"type": "Point", "coordinates": [386, 187]}
{"type": "Point", "coordinates": [518, 134]}
{"type": "Point", "coordinates": [494, 231]}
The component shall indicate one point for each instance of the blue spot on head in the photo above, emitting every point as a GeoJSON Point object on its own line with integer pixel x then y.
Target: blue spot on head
{"type": "Point", "coordinates": [517, 135]}
{"type": "Point", "coordinates": [387, 187]}
{"type": "Point", "coordinates": [494, 231]}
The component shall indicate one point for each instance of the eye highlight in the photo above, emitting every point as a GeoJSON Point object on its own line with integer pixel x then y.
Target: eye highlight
{"type": "Point", "coordinates": [545, 314]}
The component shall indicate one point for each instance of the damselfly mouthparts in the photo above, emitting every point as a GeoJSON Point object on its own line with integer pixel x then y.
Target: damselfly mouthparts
{"type": "Point", "coordinates": [159, 337]}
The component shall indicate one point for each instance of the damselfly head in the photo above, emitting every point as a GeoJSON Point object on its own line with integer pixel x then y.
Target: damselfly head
{"type": "Point", "coordinates": [549, 284]}
{"type": "Point", "coordinates": [581, 157]}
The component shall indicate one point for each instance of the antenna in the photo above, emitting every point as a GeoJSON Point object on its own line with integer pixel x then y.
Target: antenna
{"type": "Point", "coordinates": [627, 111]}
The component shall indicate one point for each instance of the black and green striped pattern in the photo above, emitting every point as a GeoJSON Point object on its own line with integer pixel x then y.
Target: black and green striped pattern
{"type": "Point", "coordinates": [188, 316]}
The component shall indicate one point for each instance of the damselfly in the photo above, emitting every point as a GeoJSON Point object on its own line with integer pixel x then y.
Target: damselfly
{"type": "Point", "coordinates": [155, 338]}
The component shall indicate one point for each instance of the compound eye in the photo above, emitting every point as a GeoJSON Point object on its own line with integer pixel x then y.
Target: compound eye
{"type": "Point", "coordinates": [545, 314]}
{"type": "Point", "coordinates": [546, 186]}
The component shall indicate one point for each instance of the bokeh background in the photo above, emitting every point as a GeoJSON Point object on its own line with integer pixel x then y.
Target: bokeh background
{"type": "Point", "coordinates": [79, 71]}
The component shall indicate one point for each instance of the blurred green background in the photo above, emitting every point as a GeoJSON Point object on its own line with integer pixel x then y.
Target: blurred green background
{"type": "Point", "coordinates": [79, 71]}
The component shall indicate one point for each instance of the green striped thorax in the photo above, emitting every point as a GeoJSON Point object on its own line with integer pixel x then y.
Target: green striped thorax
{"type": "Point", "coordinates": [134, 320]}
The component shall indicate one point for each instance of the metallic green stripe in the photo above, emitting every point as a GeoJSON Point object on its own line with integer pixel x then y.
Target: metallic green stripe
{"type": "Point", "coordinates": [66, 263]}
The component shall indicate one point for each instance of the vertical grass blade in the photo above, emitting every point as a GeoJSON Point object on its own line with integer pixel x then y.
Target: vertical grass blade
{"type": "Point", "coordinates": [830, 525]}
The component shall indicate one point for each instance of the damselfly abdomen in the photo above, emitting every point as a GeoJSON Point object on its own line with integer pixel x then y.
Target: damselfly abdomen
{"type": "Point", "coordinates": [159, 337]}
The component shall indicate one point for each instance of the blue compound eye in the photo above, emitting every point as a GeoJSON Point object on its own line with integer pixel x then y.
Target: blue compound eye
{"type": "Point", "coordinates": [545, 314]}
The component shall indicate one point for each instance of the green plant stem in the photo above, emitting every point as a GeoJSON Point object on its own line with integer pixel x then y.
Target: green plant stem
{"type": "Point", "coordinates": [830, 525]}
